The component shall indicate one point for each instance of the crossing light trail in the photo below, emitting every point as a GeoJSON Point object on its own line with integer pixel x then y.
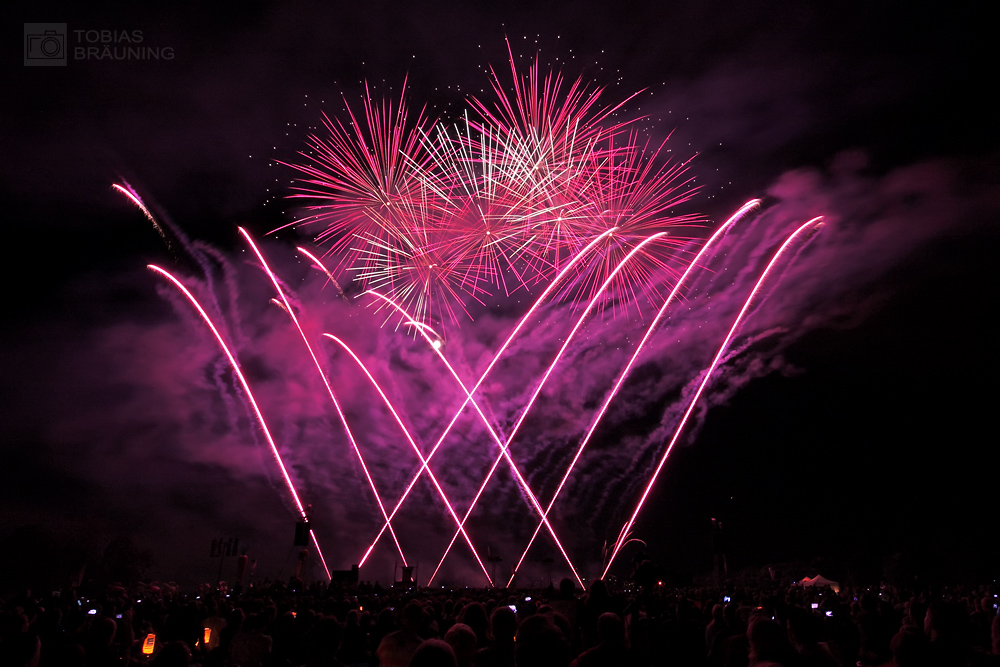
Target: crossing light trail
{"type": "Point", "coordinates": [538, 389]}
{"type": "Point", "coordinates": [496, 438]}
{"type": "Point", "coordinates": [416, 450]}
{"type": "Point", "coordinates": [801, 231]}
{"type": "Point", "coordinates": [542, 298]}
{"type": "Point", "coordinates": [287, 307]}
{"type": "Point", "coordinates": [695, 263]}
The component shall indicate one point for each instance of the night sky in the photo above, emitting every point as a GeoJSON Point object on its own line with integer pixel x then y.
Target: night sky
{"type": "Point", "coordinates": [848, 429]}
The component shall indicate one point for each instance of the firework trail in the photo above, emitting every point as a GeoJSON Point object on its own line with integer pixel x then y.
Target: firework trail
{"type": "Point", "coordinates": [253, 402]}
{"type": "Point", "coordinates": [199, 251]}
{"type": "Point", "coordinates": [287, 307]}
{"type": "Point", "coordinates": [329, 276]}
{"type": "Point", "coordinates": [750, 205]}
{"type": "Point", "coordinates": [534, 395]}
{"type": "Point", "coordinates": [435, 343]}
{"type": "Point", "coordinates": [811, 225]}
{"type": "Point", "coordinates": [497, 439]}
{"type": "Point", "coordinates": [129, 192]}
{"type": "Point", "coordinates": [416, 449]}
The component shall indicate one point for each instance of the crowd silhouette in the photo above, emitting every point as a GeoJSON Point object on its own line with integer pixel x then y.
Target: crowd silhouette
{"type": "Point", "coordinates": [288, 624]}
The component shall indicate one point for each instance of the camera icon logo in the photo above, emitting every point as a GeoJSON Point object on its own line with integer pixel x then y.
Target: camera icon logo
{"type": "Point", "coordinates": [44, 44]}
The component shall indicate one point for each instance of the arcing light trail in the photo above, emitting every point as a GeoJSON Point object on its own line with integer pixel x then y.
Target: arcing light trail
{"type": "Point", "coordinates": [416, 449]}
{"type": "Point", "coordinates": [127, 190]}
{"type": "Point", "coordinates": [326, 383]}
{"type": "Point", "coordinates": [812, 224]}
{"type": "Point", "coordinates": [469, 394]}
{"type": "Point", "coordinates": [696, 262]}
{"type": "Point", "coordinates": [504, 446]}
{"type": "Point", "coordinates": [531, 401]}
{"type": "Point", "coordinates": [322, 267]}
{"type": "Point", "coordinates": [253, 402]}
{"type": "Point", "coordinates": [496, 357]}
{"type": "Point", "coordinates": [503, 452]}
{"type": "Point", "coordinates": [545, 187]}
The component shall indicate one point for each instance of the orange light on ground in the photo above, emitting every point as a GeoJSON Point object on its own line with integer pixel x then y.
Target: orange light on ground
{"type": "Point", "coordinates": [148, 644]}
{"type": "Point", "coordinates": [208, 636]}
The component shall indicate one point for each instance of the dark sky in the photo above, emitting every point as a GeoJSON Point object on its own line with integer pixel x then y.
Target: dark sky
{"type": "Point", "coordinates": [850, 420]}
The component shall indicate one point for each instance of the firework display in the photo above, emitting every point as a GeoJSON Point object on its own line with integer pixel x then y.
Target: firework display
{"type": "Point", "coordinates": [436, 216]}
{"type": "Point", "coordinates": [543, 194]}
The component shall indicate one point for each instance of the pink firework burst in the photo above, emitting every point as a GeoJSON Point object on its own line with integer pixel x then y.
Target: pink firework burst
{"type": "Point", "coordinates": [438, 217]}
{"type": "Point", "coordinates": [418, 264]}
{"type": "Point", "coordinates": [361, 178]}
{"type": "Point", "coordinates": [487, 224]}
{"type": "Point", "coordinates": [632, 195]}
{"type": "Point", "coordinates": [550, 139]}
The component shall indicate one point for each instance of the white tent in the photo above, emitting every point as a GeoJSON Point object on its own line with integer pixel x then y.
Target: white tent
{"type": "Point", "coordinates": [820, 580]}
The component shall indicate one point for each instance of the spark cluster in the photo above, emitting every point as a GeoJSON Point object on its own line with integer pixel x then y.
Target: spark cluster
{"type": "Point", "coordinates": [440, 215]}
